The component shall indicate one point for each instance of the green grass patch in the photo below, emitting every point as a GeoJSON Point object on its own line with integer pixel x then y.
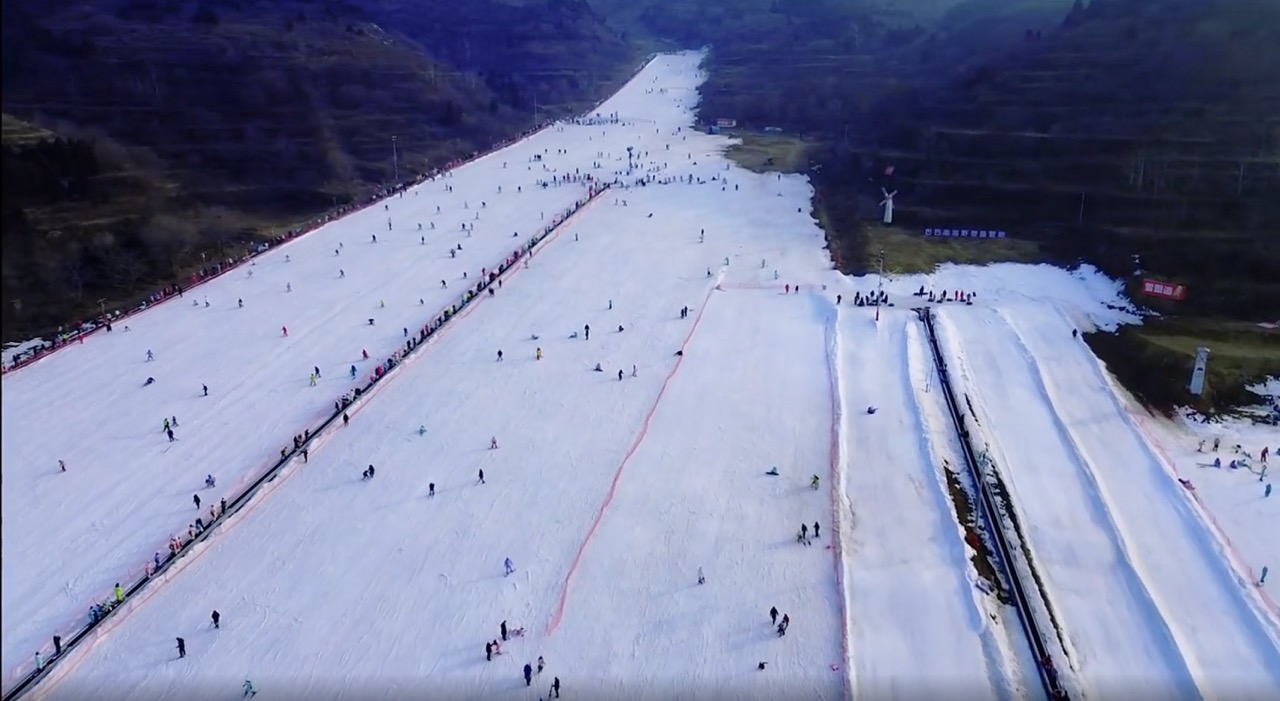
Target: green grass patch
{"type": "Point", "coordinates": [770, 153]}
{"type": "Point", "coordinates": [1154, 361]}
{"type": "Point", "coordinates": [911, 252]}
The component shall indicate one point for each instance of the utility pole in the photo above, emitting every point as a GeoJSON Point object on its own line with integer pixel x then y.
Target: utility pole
{"type": "Point", "coordinates": [880, 282]}
{"type": "Point", "coordinates": [395, 159]}
{"type": "Point", "coordinates": [535, 111]}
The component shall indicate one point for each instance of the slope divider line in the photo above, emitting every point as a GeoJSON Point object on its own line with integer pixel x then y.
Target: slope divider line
{"type": "Point", "coordinates": [998, 670]}
{"type": "Point", "coordinates": [558, 614]}
{"type": "Point", "coordinates": [839, 495]}
{"type": "Point", "coordinates": [1102, 505]}
{"type": "Point", "coordinates": [996, 520]}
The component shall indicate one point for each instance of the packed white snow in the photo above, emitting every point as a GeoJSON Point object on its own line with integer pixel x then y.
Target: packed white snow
{"type": "Point", "coordinates": [647, 538]}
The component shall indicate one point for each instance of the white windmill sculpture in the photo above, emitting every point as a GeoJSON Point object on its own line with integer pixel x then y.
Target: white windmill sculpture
{"type": "Point", "coordinates": [887, 203]}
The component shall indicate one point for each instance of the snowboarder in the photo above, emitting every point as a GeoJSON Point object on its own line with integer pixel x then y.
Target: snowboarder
{"type": "Point", "coordinates": [506, 564]}
{"type": "Point", "coordinates": [249, 691]}
{"type": "Point", "coordinates": [773, 472]}
{"type": "Point", "coordinates": [814, 482]}
{"type": "Point", "coordinates": [182, 648]}
{"type": "Point", "coordinates": [528, 674]}
{"type": "Point", "coordinates": [150, 381]}
{"type": "Point", "coordinates": [210, 482]}
{"type": "Point", "coordinates": [773, 615]}
{"type": "Point", "coordinates": [217, 619]}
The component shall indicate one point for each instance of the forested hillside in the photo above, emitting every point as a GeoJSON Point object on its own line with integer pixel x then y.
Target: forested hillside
{"type": "Point", "coordinates": [142, 136]}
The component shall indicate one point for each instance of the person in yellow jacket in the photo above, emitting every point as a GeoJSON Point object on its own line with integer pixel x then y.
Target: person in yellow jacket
{"type": "Point", "coordinates": [119, 592]}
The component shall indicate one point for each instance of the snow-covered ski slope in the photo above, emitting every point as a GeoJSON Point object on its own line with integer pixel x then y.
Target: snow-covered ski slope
{"type": "Point", "coordinates": [608, 494]}
{"type": "Point", "coordinates": [895, 488]}
{"type": "Point", "coordinates": [1145, 596]}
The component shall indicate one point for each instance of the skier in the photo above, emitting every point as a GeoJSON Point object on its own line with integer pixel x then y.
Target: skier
{"type": "Point", "coordinates": [431, 490]}
{"type": "Point", "coordinates": [814, 482]}
{"type": "Point", "coordinates": [537, 353]}
{"type": "Point", "coordinates": [619, 376]}
{"type": "Point", "coordinates": [702, 579]}
{"type": "Point", "coordinates": [217, 619]}
{"type": "Point", "coordinates": [633, 371]}
{"type": "Point", "coordinates": [169, 432]}
{"type": "Point", "coordinates": [210, 482]}
{"type": "Point", "coordinates": [182, 648]}
{"type": "Point", "coordinates": [150, 381]}
{"type": "Point", "coordinates": [499, 355]}
{"type": "Point", "coordinates": [62, 466]}
{"type": "Point", "coordinates": [502, 627]}
{"type": "Point", "coordinates": [773, 615]}
{"type": "Point", "coordinates": [284, 331]}
{"type": "Point", "coordinates": [240, 303]}
{"type": "Point", "coordinates": [555, 686]}
{"type": "Point", "coordinates": [206, 389]}
{"type": "Point", "coordinates": [249, 691]}
{"type": "Point", "coordinates": [493, 443]}
{"type": "Point", "coordinates": [422, 430]}
{"type": "Point", "coordinates": [506, 564]}
{"type": "Point", "coordinates": [586, 332]}
{"type": "Point", "coordinates": [541, 664]}
{"type": "Point", "coordinates": [353, 372]}
{"type": "Point", "coordinates": [196, 499]}
{"type": "Point", "coordinates": [150, 356]}
{"type": "Point", "coordinates": [345, 419]}
{"type": "Point", "coordinates": [488, 652]}
{"type": "Point", "coordinates": [481, 480]}
{"type": "Point", "coordinates": [528, 674]}
{"type": "Point", "coordinates": [816, 530]}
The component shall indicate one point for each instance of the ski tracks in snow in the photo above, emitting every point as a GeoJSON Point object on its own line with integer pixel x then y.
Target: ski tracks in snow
{"type": "Point", "coordinates": [1056, 573]}
{"type": "Point", "coordinates": [1192, 644]}
{"type": "Point", "coordinates": [841, 506]}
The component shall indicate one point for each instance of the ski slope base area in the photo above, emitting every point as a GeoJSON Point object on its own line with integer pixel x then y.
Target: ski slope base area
{"type": "Point", "coordinates": [607, 422]}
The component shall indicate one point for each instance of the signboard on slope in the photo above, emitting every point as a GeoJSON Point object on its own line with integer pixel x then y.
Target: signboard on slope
{"type": "Point", "coordinates": [1163, 290]}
